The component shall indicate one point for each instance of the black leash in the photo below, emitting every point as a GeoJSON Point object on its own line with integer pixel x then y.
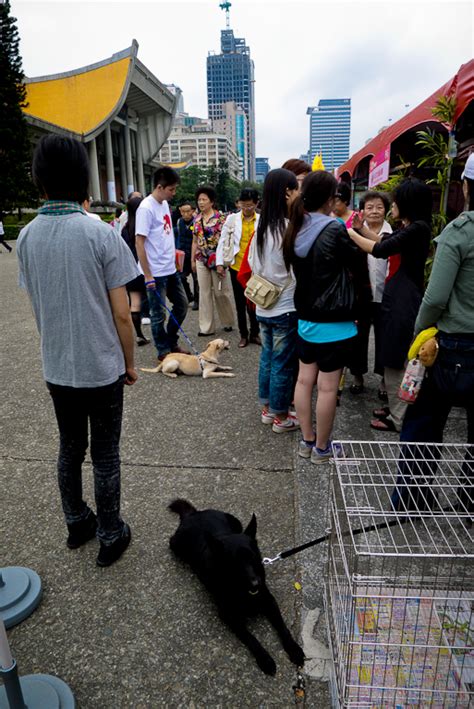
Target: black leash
{"type": "Point", "coordinates": [372, 528]}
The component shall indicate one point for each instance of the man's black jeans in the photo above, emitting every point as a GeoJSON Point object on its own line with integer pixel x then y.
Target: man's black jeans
{"type": "Point", "coordinates": [102, 407]}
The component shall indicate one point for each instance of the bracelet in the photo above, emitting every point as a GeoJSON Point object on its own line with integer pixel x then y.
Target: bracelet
{"type": "Point", "coordinates": [147, 282]}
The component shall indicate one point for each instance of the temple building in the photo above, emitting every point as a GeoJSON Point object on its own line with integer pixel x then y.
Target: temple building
{"type": "Point", "coordinates": [118, 108]}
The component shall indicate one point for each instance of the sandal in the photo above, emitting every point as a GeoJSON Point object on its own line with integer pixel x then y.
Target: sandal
{"type": "Point", "coordinates": [382, 394]}
{"type": "Point", "coordinates": [381, 413]}
{"type": "Point", "coordinates": [356, 388]}
{"type": "Point", "coordinates": [383, 425]}
{"type": "Point", "coordinates": [243, 342]}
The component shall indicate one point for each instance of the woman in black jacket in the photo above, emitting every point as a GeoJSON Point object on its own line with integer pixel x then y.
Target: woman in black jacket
{"type": "Point", "coordinates": [407, 250]}
{"type": "Point", "coordinates": [325, 262]}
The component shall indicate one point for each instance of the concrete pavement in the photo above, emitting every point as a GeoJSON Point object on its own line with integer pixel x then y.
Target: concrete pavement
{"type": "Point", "coordinates": [143, 633]}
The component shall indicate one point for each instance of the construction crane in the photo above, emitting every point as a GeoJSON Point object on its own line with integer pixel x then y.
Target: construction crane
{"type": "Point", "coordinates": [226, 6]}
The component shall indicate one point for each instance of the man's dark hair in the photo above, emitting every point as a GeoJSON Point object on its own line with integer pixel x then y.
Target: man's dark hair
{"type": "Point", "coordinates": [373, 194]}
{"type": "Point", "coordinates": [343, 192]}
{"type": "Point", "coordinates": [414, 200]}
{"type": "Point", "coordinates": [165, 177]}
{"type": "Point", "coordinates": [186, 203]}
{"type": "Point", "coordinates": [207, 190]}
{"type": "Point", "coordinates": [249, 195]}
{"type": "Point", "coordinates": [61, 168]}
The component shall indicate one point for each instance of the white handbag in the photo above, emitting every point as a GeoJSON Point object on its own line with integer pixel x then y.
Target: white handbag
{"type": "Point", "coordinates": [228, 243]}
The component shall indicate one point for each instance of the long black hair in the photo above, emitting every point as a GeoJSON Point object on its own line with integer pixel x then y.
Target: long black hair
{"type": "Point", "coordinates": [318, 187]}
{"type": "Point", "coordinates": [414, 200]}
{"type": "Point", "coordinates": [274, 204]}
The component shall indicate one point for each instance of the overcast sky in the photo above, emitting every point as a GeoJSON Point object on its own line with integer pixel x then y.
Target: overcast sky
{"type": "Point", "coordinates": [381, 54]}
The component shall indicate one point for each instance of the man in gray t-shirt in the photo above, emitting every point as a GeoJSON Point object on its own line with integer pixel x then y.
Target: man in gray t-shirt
{"type": "Point", "coordinates": [75, 270]}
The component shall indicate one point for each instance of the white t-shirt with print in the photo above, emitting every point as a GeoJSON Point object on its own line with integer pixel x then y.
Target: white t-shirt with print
{"type": "Point", "coordinates": [153, 220]}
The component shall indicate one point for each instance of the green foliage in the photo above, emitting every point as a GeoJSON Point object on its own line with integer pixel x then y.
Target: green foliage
{"type": "Point", "coordinates": [192, 177]}
{"type": "Point", "coordinates": [402, 171]}
{"type": "Point", "coordinates": [445, 110]}
{"type": "Point", "coordinates": [17, 189]}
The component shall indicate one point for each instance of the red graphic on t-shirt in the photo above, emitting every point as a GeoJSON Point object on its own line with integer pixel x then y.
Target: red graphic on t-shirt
{"type": "Point", "coordinates": [167, 223]}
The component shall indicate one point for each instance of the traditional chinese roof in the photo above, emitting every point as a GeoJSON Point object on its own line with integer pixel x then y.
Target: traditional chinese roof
{"type": "Point", "coordinates": [81, 102]}
{"type": "Point", "coordinates": [461, 85]}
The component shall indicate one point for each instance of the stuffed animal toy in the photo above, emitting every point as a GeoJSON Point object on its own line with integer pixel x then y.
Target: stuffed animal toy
{"type": "Point", "coordinates": [428, 352]}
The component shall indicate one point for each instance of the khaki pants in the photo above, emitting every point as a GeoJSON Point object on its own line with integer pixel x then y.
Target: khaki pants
{"type": "Point", "coordinates": [208, 293]}
{"type": "Point", "coordinates": [393, 379]}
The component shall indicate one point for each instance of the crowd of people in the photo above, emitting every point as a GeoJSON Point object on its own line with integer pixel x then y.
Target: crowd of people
{"type": "Point", "coordinates": [334, 272]}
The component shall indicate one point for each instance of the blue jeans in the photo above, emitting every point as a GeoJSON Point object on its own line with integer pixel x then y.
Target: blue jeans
{"type": "Point", "coordinates": [450, 382]}
{"type": "Point", "coordinates": [76, 410]}
{"type": "Point", "coordinates": [171, 287]}
{"type": "Point", "coordinates": [277, 361]}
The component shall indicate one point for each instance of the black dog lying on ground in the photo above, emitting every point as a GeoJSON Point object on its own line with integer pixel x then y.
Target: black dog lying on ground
{"type": "Point", "coordinates": [228, 562]}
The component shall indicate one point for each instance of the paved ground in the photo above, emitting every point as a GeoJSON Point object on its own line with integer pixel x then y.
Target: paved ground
{"type": "Point", "coordinates": [143, 633]}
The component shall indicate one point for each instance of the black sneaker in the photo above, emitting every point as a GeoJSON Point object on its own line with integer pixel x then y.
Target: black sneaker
{"type": "Point", "coordinates": [81, 532]}
{"type": "Point", "coordinates": [111, 552]}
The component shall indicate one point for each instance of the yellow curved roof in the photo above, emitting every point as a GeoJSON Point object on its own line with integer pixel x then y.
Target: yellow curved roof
{"type": "Point", "coordinates": [79, 102]}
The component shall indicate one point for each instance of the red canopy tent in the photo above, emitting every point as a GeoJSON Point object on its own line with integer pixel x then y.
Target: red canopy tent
{"type": "Point", "coordinates": [461, 85]}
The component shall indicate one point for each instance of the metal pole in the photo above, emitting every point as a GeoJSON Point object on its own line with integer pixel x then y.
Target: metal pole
{"type": "Point", "coordinates": [13, 687]}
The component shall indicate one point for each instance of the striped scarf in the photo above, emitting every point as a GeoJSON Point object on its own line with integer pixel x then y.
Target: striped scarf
{"type": "Point", "coordinates": [59, 207]}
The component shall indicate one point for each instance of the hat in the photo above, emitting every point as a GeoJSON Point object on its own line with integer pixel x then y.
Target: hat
{"type": "Point", "coordinates": [469, 168]}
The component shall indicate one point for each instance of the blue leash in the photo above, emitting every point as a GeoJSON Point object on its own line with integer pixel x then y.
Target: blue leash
{"type": "Point", "coordinates": [177, 323]}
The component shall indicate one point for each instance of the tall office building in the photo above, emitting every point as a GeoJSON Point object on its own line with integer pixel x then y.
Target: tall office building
{"type": "Point", "coordinates": [330, 131]}
{"type": "Point", "coordinates": [262, 169]}
{"type": "Point", "coordinates": [233, 124]}
{"type": "Point", "coordinates": [230, 77]}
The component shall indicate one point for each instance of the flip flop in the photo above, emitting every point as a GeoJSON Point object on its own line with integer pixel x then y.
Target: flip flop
{"type": "Point", "coordinates": [381, 413]}
{"type": "Point", "coordinates": [243, 342]}
{"type": "Point", "coordinates": [356, 388]}
{"type": "Point", "coordinates": [383, 425]}
{"type": "Point", "coordinates": [382, 394]}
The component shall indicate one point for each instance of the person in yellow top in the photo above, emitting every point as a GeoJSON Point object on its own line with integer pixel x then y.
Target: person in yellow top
{"type": "Point", "coordinates": [241, 226]}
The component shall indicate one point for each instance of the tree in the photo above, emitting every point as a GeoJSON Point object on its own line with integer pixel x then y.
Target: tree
{"type": "Point", "coordinates": [15, 151]}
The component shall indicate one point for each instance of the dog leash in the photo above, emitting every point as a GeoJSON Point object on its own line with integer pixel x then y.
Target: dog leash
{"type": "Point", "coordinates": [362, 530]}
{"type": "Point", "coordinates": [198, 355]}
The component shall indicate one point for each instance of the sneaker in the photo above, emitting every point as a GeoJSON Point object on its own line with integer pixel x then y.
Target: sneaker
{"type": "Point", "coordinates": [291, 423]}
{"type": "Point", "coordinates": [109, 553]}
{"type": "Point", "coordinates": [146, 321]}
{"type": "Point", "coordinates": [305, 448]}
{"type": "Point", "coordinates": [141, 341]}
{"type": "Point", "coordinates": [81, 532]}
{"type": "Point", "coordinates": [332, 450]}
{"type": "Point", "coordinates": [267, 417]}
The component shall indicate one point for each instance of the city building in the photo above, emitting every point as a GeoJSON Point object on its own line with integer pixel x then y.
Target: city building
{"type": "Point", "coordinates": [233, 124]}
{"type": "Point", "coordinates": [118, 108]}
{"type": "Point", "coordinates": [230, 77]}
{"type": "Point", "coordinates": [200, 145]}
{"type": "Point", "coordinates": [262, 169]}
{"type": "Point", "coordinates": [330, 131]}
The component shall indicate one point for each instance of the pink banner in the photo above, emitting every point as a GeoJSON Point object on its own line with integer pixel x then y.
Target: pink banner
{"type": "Point", "coordinates": [379, 167]}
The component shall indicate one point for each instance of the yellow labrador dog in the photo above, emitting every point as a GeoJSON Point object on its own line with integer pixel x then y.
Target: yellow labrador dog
{"type": "Point", "coordinates": [206, 364]}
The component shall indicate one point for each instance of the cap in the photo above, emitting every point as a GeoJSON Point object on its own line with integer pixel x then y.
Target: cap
{"type": "Point", "coordinates": [469, 168]}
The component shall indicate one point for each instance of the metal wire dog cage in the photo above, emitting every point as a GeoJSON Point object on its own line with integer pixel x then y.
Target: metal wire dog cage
{"type": "Point", "coordinates": [400, 586]}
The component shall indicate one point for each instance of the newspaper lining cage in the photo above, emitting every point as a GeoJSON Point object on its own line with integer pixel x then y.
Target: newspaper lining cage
{"type": "Point", "coordinates": [400, 586]}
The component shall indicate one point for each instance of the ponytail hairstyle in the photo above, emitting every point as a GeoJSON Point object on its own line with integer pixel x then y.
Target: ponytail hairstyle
{"type": "Point", "coordinates": [274, 204]}
{"type": "Point", "coordinates": [317, 189]}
